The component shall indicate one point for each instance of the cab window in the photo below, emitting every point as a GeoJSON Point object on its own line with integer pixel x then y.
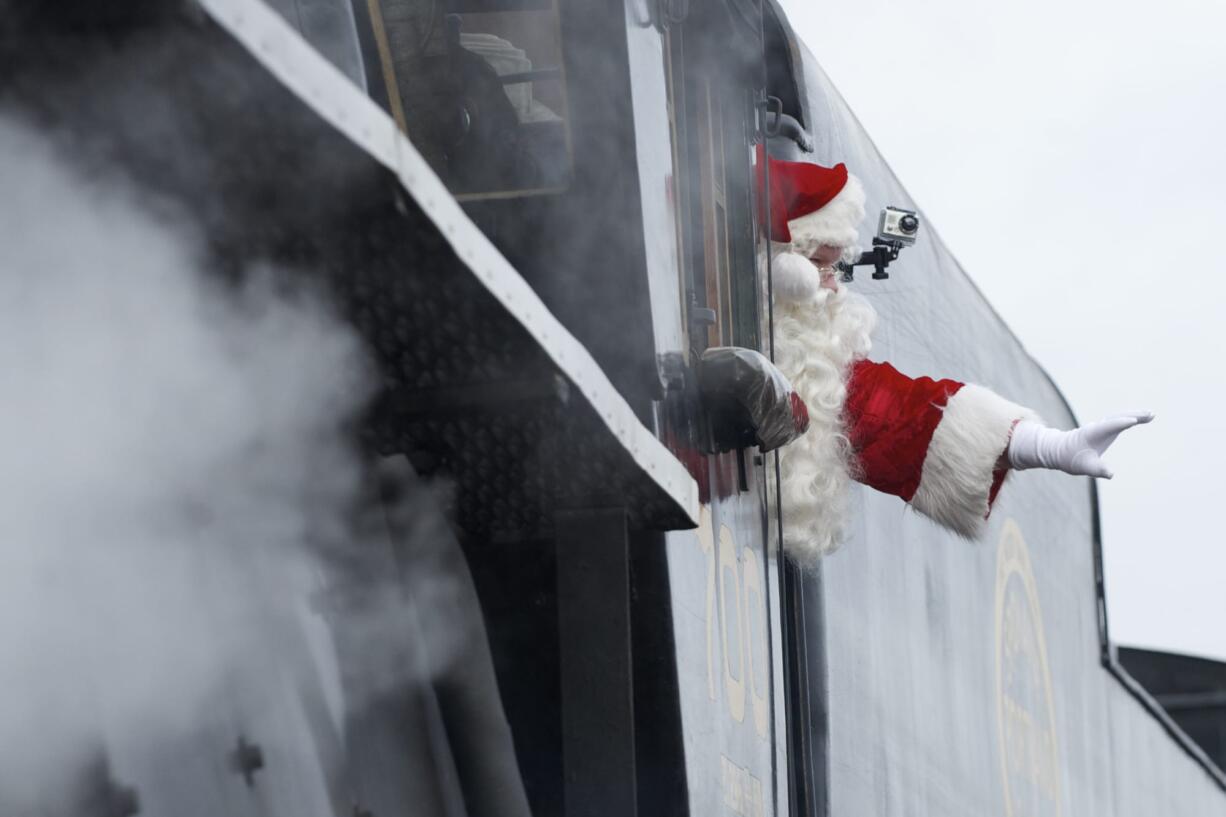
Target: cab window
{"type": "Point", "coordinates": [713, 127]}
{"type": "Point", "coordinates": [478, 86]}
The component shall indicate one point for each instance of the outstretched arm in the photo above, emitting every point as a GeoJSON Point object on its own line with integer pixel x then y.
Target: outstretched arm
{"type": "Point", "coordinates": [945, 447]}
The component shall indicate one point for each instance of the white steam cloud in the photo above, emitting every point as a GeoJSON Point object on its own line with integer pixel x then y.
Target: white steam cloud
{"type": "Point", "coordinates": [170, 452]}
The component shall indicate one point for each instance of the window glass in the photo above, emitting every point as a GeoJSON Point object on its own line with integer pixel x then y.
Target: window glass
{"type": "Point", "coordinates": [330, 27]}
{"type": "Point", "coordinates": [727, 272]}
{"type": "Point", "coordinates": [479, 88]}
{"type": "Point", "coordinates": [675, 136]}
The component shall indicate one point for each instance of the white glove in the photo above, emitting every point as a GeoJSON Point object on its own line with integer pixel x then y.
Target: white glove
{"type": "Point", "coordinates": [1074, 452]}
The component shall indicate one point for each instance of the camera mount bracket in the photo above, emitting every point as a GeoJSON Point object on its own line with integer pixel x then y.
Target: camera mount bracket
{"type": "Point", "coordinates": [879, 257]}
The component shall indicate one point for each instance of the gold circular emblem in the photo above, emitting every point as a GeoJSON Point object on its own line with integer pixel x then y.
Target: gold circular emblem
{"type": "Point", "coordinates": [1026, 718]}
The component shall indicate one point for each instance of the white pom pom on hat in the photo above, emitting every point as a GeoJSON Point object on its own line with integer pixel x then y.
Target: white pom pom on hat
{"type": "Point", "coordinates": [794, 277]}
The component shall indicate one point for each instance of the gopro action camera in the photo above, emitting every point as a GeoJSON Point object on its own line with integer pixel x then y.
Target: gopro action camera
{"type": "Point", "coordinates": [898, 226]}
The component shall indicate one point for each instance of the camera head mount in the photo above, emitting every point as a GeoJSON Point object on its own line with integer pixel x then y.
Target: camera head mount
{"type": "Point", "coordinates": [896, 228]}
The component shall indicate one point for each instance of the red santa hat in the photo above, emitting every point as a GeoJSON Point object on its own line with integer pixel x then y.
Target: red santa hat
{"type": "Point", "coordinates": [813, 205]}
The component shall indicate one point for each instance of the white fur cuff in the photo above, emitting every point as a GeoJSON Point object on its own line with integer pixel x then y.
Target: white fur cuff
{"type": "Point", "coordinates": [956, 481]}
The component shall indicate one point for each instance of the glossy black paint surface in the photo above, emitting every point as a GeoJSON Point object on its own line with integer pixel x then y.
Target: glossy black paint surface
{"type": "Point", "coordinates": [926, 634]}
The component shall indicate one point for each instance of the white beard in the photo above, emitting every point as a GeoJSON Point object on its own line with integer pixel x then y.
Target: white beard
{"type": "Point", "coordinates": [817, 337]}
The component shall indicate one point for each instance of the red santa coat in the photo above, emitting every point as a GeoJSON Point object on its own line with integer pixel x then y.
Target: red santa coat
{"type": "Point", "coordinates": [937, 444]}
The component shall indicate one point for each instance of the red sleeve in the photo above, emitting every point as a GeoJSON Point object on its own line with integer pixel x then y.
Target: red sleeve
{"type": "Point", "coordinates": [890, 419]}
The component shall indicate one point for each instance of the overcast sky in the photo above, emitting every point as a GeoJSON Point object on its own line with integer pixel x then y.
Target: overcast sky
{"type": "Point", "coordinates": [1094, 131]}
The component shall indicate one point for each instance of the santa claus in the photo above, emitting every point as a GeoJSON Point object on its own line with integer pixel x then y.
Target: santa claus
{"type": "Point", "coordinates": [943, 446]}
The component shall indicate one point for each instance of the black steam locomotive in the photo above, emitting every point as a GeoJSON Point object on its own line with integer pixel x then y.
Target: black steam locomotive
{"type": "Point", "coordinates": [538, 214]}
